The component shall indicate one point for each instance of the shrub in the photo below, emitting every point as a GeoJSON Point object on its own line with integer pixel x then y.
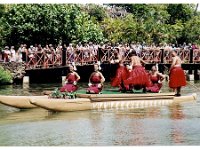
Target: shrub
{"type": "Point", "coordinates": [5, 76]}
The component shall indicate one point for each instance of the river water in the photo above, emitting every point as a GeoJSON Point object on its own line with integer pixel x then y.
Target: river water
{"type": "Point", "coordinates": [165, 125]}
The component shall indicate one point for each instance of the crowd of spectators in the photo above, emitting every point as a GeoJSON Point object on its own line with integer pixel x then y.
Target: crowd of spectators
{"type": "Point", "coordinates": [88, 50]}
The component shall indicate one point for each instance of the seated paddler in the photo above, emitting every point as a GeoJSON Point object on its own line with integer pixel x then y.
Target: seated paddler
{"type": "Point", "coordinates": [71, 80]}
{"type": "Point", "coordinates": [156, 78]}
{"type": "Point", "coordinates": [96, 81]}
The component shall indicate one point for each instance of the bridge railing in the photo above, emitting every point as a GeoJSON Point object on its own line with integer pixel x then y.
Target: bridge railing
{"type": "Point", "coordinates": [88, 57]}
{"type": "Point", "coordinates": [43, 60]}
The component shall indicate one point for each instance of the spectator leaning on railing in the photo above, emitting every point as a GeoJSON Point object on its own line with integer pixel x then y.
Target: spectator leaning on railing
{"type": "Point", "coordinates": [84, 53]}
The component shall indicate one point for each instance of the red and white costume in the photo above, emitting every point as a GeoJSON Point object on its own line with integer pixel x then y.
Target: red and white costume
{"type": "Point", "coordinates": [96, 85]}
{"type": "Point", "coordinates": [70, 86]}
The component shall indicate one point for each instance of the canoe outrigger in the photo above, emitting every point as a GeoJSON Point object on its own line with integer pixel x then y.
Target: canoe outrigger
{"type": "Point", "coordinates": [95, 101]}
{"type": "Point", "coordinates": [21, 102]}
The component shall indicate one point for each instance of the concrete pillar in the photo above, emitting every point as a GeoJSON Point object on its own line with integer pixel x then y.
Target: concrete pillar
{"type": "Point", "coordinates": [63, 80]}
{"type": "Point", "coordinates": [190, 77]}
{"type": "Point", "coordinates": [26, 80]}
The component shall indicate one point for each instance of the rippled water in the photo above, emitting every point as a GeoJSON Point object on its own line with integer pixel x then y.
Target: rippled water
{"type": "Point", "coordinates": [166, 125]}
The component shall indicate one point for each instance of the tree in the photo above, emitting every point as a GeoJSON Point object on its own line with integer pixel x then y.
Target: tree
{"type": "Point", "coordinates": [96, 11]}
{"type": "Point", "coordinates": [193, 36]}
{"type": "Point", "coordinates": [182, 12]}
{"type": "Point", "coordinates": [48, 23]}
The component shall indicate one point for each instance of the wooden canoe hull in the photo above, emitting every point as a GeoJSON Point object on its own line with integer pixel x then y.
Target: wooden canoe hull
{"type": "Point", "coordinates": [63, 105]}
{"type": "Point", "coordinates": [21, 102]}
{"type": "Point", "coordinates": [93, 102]}
{"type": "Point", "coordinates": [80, 104]}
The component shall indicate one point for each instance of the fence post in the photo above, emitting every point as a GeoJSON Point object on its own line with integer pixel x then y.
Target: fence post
{"type": "Point", "coordinates": [64, 56]}
{"type": "Point", "coordinates": [24, 56]}
{"type": "Point", "coordinates": [191, 55]}
{"type": "Point", "coordinates": [99, 53]}
{"type": "Point", "coordinates": [162, 56]}
{"type": "Point", "coordinates": [191, 61]}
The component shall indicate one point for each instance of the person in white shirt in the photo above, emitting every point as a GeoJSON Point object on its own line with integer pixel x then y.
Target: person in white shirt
{"type": "Point", "coordinates": [13, 54]}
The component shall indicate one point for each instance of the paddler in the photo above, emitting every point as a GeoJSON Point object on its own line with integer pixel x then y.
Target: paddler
{"type": "Point", "coordinates": [71, 80]}
{"type": "Point", "coordinates": [138, 77]}
{"type": "Point", "coordinates": [120, 76]}
{"type": "Point", "coordinates": [176, 76]}
{"type": "Point", "coordinates": [96, 81]}
{"type": "Point", "coordinates": [156, 78]}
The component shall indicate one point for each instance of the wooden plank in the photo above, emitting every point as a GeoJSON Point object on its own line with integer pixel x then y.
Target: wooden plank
{"type": "Point", "coordinates": [94, 99]}
{"type": "Point", "coordinates": [124, 95]}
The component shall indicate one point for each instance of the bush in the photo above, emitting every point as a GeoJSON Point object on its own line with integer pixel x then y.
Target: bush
{"type": "Point", "coordinates": [5, 76]}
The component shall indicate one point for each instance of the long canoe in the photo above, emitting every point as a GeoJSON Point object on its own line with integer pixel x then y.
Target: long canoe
{"type": "Point", "coordinates": [22, 102]}
{"type": "Point", "coordinates": [87, 101]}
{"type": "Point", "coordinates": [78, 104]}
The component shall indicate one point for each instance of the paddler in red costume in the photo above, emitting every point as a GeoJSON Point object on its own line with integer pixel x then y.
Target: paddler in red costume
{"type": "Point", "coordinates": [71, 80]}
{"type": "Point", "coordinates": [121, 72]}
{"type": "Point", "coordinates": [121, 75]}
{"type": "Point", "coordinates": [176, 76]}
{"type": "Point", "coordinates": [138, 77]}
{"type": "Point", "coordinates": [156, 78]}
{"type": "Point", "coordinates": [96, 81]}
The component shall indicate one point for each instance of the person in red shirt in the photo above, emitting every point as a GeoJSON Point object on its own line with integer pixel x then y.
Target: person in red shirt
{"type": "Point", "coordinates": [156, 78]}
{"type": "Point", "coordinates": [96, 81]}
{"type": "Point", "coordinates": [71, 81]}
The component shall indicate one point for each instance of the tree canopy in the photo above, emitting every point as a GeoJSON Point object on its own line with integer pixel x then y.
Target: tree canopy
{"type": "Point", "coordinates": [66, 23]}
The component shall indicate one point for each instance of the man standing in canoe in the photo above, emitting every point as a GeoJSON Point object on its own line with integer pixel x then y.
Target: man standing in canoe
{"type": "Point", "coordinates": [120, 76]}
{"type": "Point", "coordinates": [176, 76]}
{"type": "Point", "coordinates": [71, 81]}
{"type": "Point", "coordinates": [138, 77]}
{"type": "Point", "coordinates": [96, 81]}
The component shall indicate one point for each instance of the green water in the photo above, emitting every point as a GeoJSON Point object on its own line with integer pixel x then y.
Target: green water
{"type": "Point", "coordinates": [166, 125]}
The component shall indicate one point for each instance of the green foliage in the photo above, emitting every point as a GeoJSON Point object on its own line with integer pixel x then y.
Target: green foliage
{"type": "Point", "coordinates": [96, 11]}
{"type": "Point", "coordinates": [158, 23]}
{"type": "Point", "coordinates": [5, 76]}
{"type": "Point", "coordinates": [66, 23]}
{"type": "Point", "coordinates": [48, 23]}
{"type": "Point", "coordinates": [192, 26]}
{"type": "Point", "coordinates": [57, 94]}
{"type": "Point", "coordinates": [120, 30]}
{"type": "Point", "coordinates": [182, 12]}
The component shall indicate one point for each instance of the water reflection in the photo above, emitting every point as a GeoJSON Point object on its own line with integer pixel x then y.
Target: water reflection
{"type": "Point", "coordinates": [176, 114]}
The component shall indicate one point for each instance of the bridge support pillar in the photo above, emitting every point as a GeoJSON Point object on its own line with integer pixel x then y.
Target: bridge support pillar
{"type": "Point", "coordinates": [26, 82]}
{"type": "Point", "coordinates": [190, 77]}
{"type": "Point", "coordinates": [63, 80]}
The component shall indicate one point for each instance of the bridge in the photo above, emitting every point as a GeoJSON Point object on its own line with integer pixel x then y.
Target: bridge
{"type": "Point", "coordinates": [43, 66]}
{"type": "Point", "coordinates": [105, 56]}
